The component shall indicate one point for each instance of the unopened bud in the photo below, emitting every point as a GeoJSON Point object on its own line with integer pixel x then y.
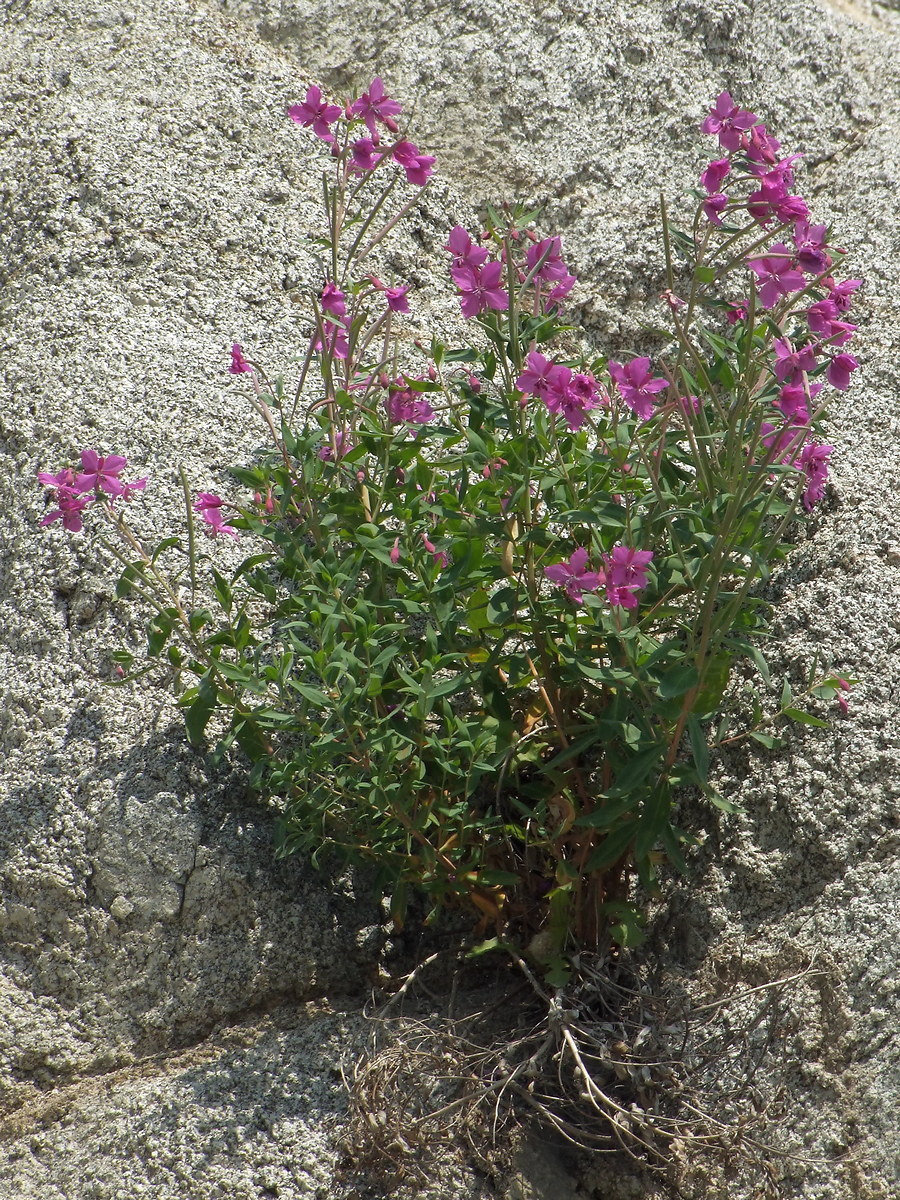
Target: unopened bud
{"type": "Point", "coordinates": [432, 374]}
{"type": "Point", "coordinates": [474, 384]}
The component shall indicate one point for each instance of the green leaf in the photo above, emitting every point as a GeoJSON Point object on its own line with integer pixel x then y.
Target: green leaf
{"type": "Point", "coordinates": [129, 577]}
{"type": "Point", "coordinates": [803, 718]}
{"type": "Point", "coordinates": [677, 681]}
{"type": "Point", "coordinates": [502, 607]}
{"type": "Point", "coordinates": [699, 747]}
{"type": "Point", "coordinates": [612, 847]}
{"type": "Point", "coordinates": [488, 946]}
{"type": "Point", "coordinates": [765, 739]}
{"type": "Point", "coordinates": [165, 544]}
{"type": "Point", "coordinates": [200, 709]}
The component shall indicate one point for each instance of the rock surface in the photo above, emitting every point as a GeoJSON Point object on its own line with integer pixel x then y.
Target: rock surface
{"type": "Point", "coordinates": [156, 205]}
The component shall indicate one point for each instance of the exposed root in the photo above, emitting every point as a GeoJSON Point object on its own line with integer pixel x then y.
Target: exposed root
{"type": "Point", "coordinates": [610, 1062]}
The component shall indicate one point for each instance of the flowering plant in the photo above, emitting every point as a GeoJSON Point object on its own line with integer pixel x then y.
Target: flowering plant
{"type": "Point", "coordinates": [498, 593]}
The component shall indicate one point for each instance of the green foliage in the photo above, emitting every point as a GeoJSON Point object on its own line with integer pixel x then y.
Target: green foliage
{"type": "Point", "coordinates": [398, 667]}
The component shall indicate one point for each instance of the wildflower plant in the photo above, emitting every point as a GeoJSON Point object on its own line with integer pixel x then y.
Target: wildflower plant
{"type": "Point", "coordinates": [496, 594]}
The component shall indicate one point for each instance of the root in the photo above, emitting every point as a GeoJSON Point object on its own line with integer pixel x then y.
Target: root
{"type": "Point", "coordinates": [610, 1062]}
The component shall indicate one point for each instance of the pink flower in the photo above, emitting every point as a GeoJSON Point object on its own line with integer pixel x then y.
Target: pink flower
{"type": "Point", "coordinates": [635, 385]}
{"type": "Point", "coordinates": [465, 252]}
{"type": "Point", "coordinates": [333, 300]}
{"type": "Point", "coordinates": [773, 201]}
{"type": "Point", "coordinates": [844, 685]}
{"type": "Point", "coordinates": [813, 461]}
{"type": "Point", "coordinates": [439, 556]}
{"type": "Point", "coordinates": [374, 105]}
{"type": "Point", "coordinates": [712, 177]}
{"type": "Point", "coordinates": [783, 444]}
{"type": "Point", "coordinates": [395, 551]}
{"type": "Point", "coordinates": [790, 364]}
{"type": "Point", "coordinates": [540, 376]}
{"type": "Point", "coordinates": [363, 155]}
{"type": "Point", "coordinates": [571, 396]}
{"type": "Point", "coordinates": [738, 310]}
{"type": "Point", "coordinates": [395, 296]}
{"type": "Point", "coordinates": [714, 206]}
{"type": "Point", "coordinates": [792, 402]}
{"type": "Point", "coordinates": [727, 121]}
{"type": "Point", "coordinates": [417, 166]}
{"type": "Point", "coordinates": [809, 242]}
{"type": "Point", "coordinates": [101, 474]}
{"type": "Point", "coordinates": [839, 370]}
{"type": "Point", "coordinates": [405, 405]}
{"type": "Point", "coordinates": [841, 294]}
{"type": "Point", "coordinates": [210, 506]}
{"type": "Point", "coordinates": [574, 576]}
{"type": "Point", "coordinates": [776, 275]}
{"type": "Point", "coordinates": [343, 445]}
{"type": "Point", "coordinates": [333, 340]}
{"type": "Point", "coordinates": [71, 506]}
{"type": "Point", "coordinates": [239, 364]}
{"type": "Point", "coordinates": [480, 288]}
{"type": "Point", "coordinates": [759, 145]}
{"type": "Point", "coordinates": [316, 112]}
{"type": "Point", "coordinates": [626, 573]}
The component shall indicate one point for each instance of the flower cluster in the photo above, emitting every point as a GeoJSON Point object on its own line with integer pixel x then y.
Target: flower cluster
{"type": "Point", "coordinates": [797, 265]}
{"type": "Point", "coordinates": [99, 477]}
{"type": "Point", "coordinates": [374, 108]}
{"type": "Point", "coordinates": [210, 507]}
{"type": "Point", "coordinates": [543, 279]}
{"type": "Point", "coordinates": [623, 574]}
{"type": "Point", "coordinates": [566, 393]}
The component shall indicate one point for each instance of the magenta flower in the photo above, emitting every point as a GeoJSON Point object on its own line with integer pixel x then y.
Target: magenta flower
{"type": "Point", "coordinates": [821, 316]}
{"type": "Point", "coordinates": [625, 574]}
{"type": "Point", "coordinates": [570, 396]}
{"type": "Point", "coordinates": [790, 364]}
{"type": "Point", "coordinates": [810, 244]}
{"type": "Point", "coordinates": [813, 461]}
{"type": "Point", "coordinates": [316, 112]}
{"type": "Point", "coordinates": [574, 576]}
{"type": "Point", "coordinates": [714, 206]}
{"type": "Point", "coordinates": [71, 506]}
{"type": "Point", "coordinates": [772, 201]}
{"type": "Point", "coordinates": [776, 275]}
{"type": "Point", "coordinates": [332, 340]}
{"type": "Point", "coordinates": [210, 506]}
{"type": "Point", "coordinates": [417, 166]}
{"type": "Point", "coordinates": [841, 294]}
{"type": "Point", "coordinates": [759, 145]}
{"type": "Point", "coordinates": [343, 445]}
{"type": "Point", "coordinates": [689, 405]}
{"type": "Point", "coordinates": [711, 178]}
{"type": "Point", "coordinates": [793, 402]}
{"type": "Point", "coordinates": [363, 155]}
{"type": "Point", "coordinates": [537, 378]}
{"type": "Point", "coordinates": [395, 296]}
{"type": "Point", "coordinates": [333, 300]}
{"type": "Point", "coordinates": [465, 252]}
{"type": "Point", "coordinates": [738, 310]}
{"type": "Point", "coordinates": [62, 479]}
{"type": "Point", "coordinates": [405, 405]}
{"type": "Point", "coordinates": [374, 105]}
{"type": "Point", "coordinates": [839, 370]}
{"type": "Point", "coordinates": [552, 269]}
{"type": "Point", "coordinates": [727, 121]}
{"type": "Point", "coordinates": [101, 474]}
{"type": "Point", "coordinates": [439, 556]}
{"type": "Point", "coordinates": [239, 364]}
{"type": "Point", "coordinates": [783, 444]}
{"type": "Point", "coordinates": [480, 288]}
{"type": "Point", "coordinates": [636, 386]}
